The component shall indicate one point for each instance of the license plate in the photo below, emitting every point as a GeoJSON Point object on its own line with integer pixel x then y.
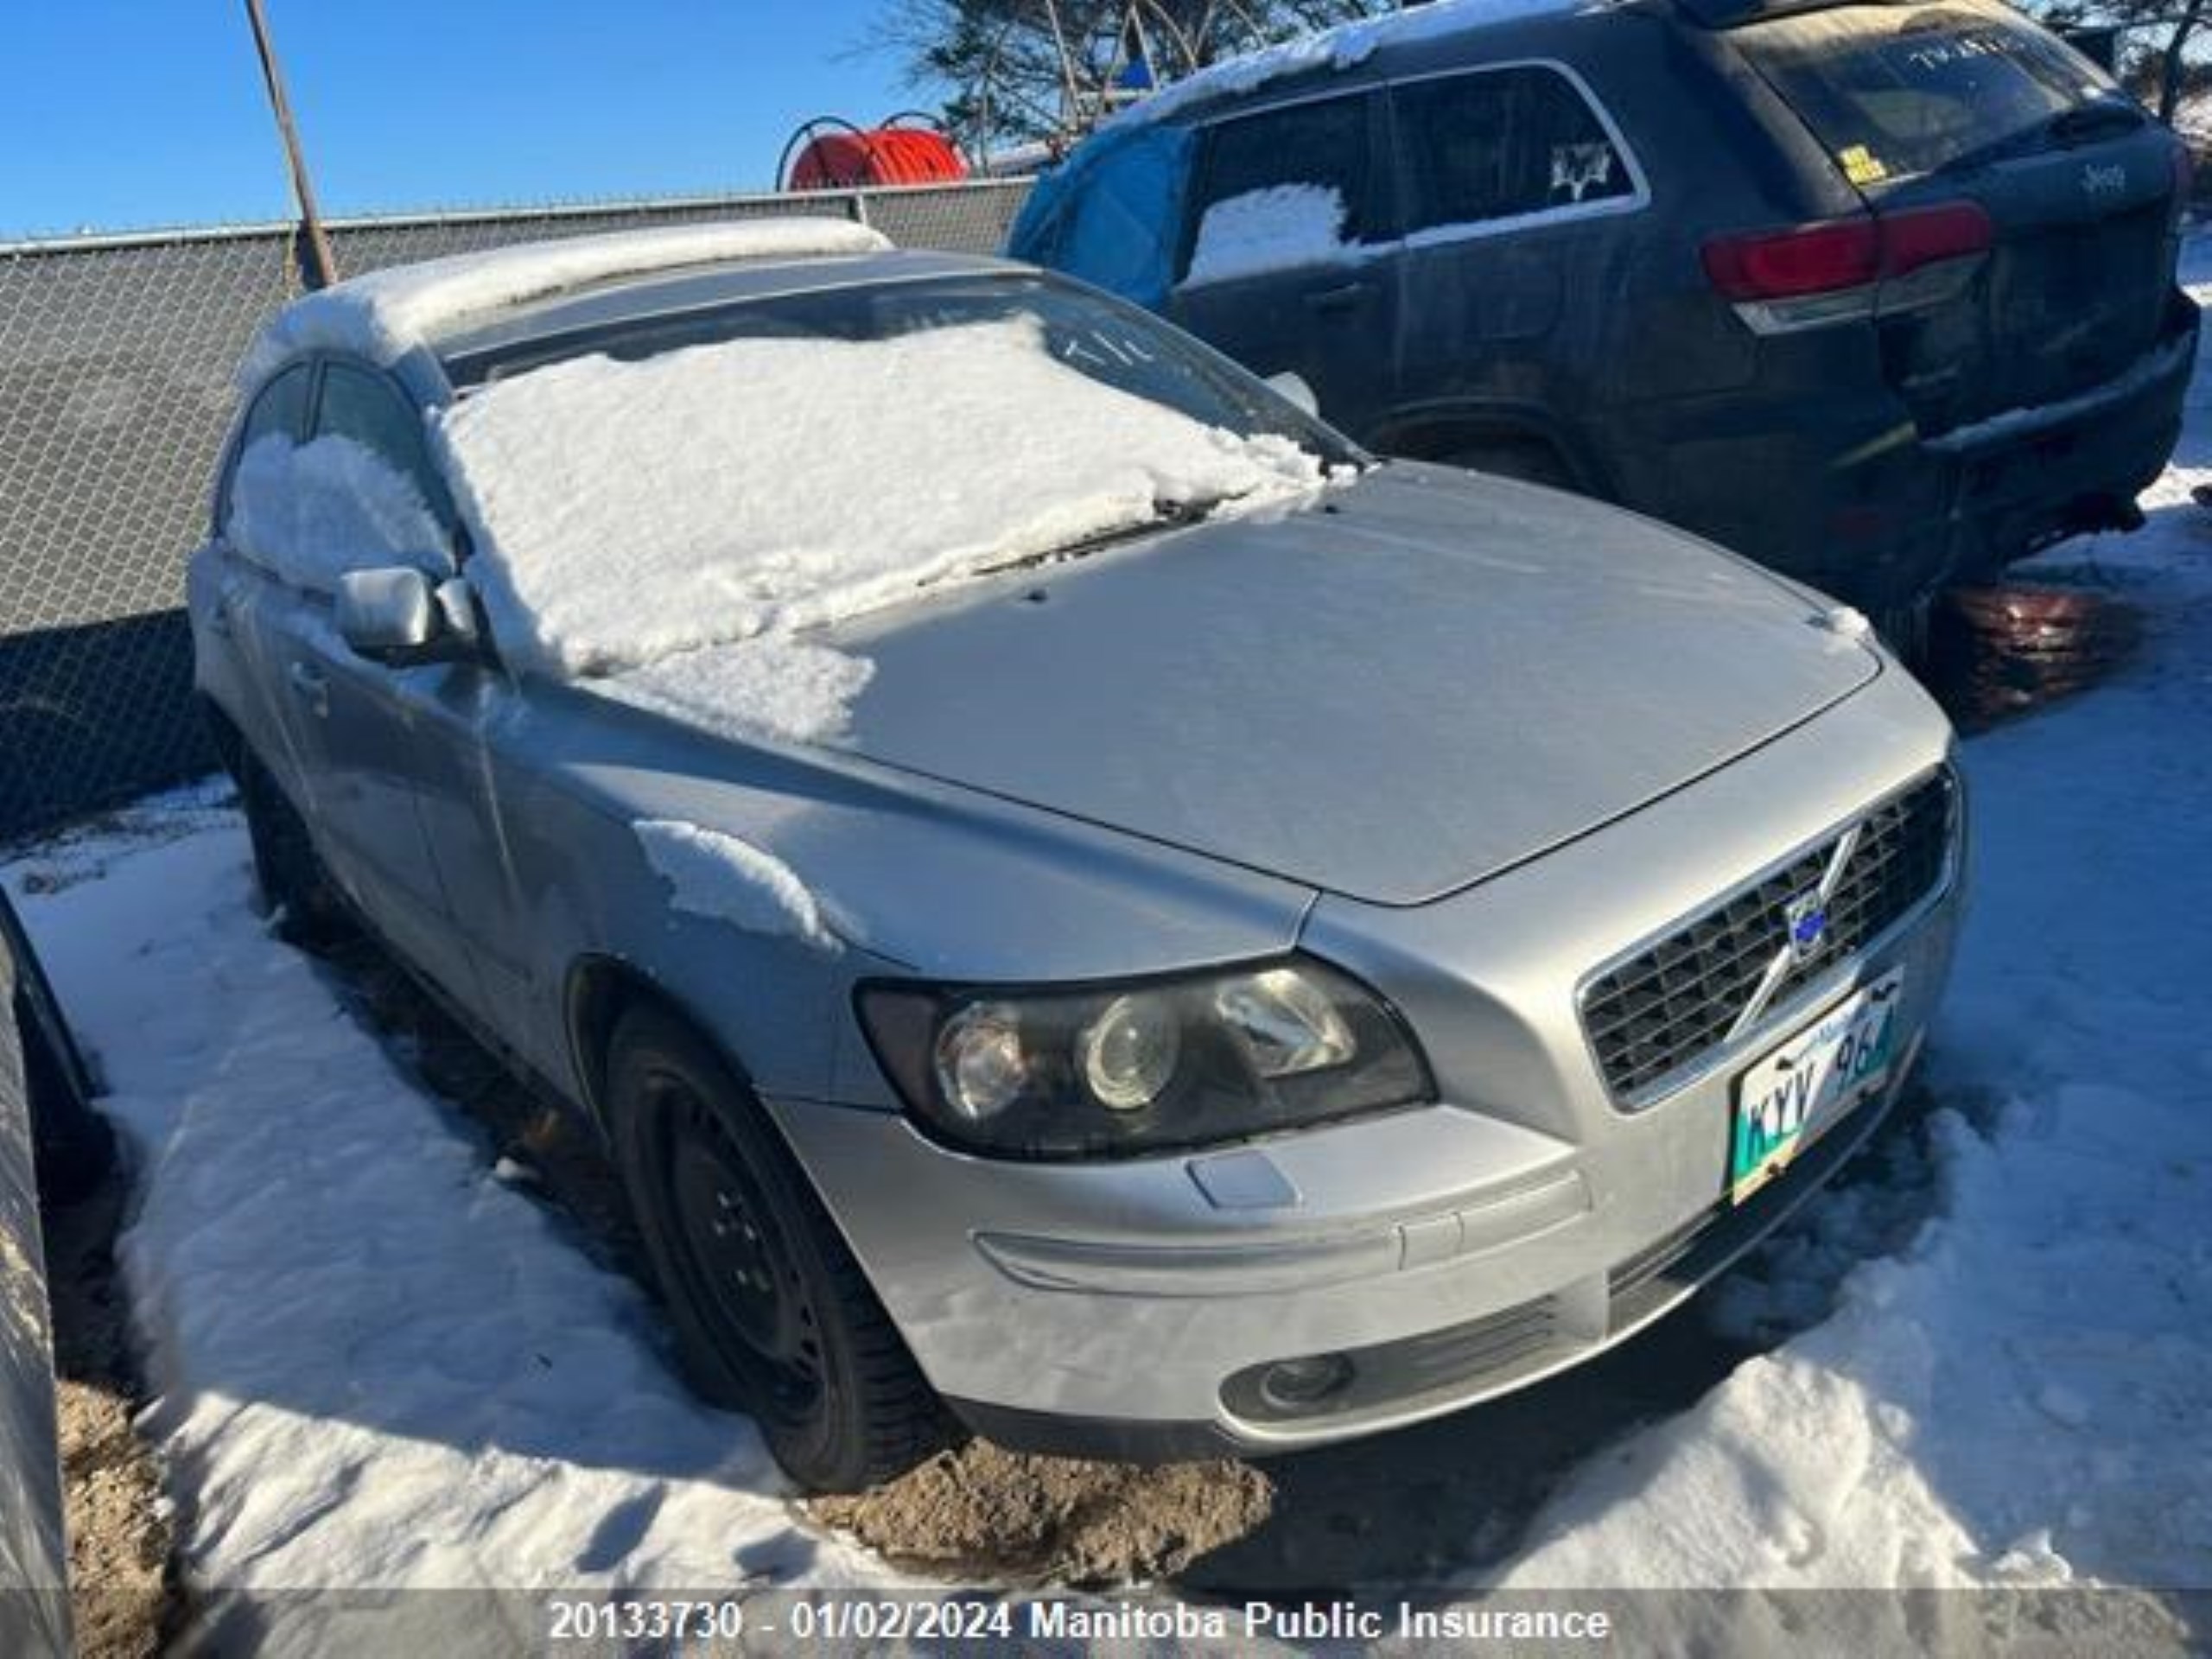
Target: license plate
{"type": "Point", "coordinates": [1784, 1100]}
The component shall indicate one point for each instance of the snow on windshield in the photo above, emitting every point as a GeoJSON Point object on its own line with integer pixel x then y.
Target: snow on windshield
{"type": "Point", "coordinates": [1275, 229]}
{"type": "Point", "coordinates": [625, 512]}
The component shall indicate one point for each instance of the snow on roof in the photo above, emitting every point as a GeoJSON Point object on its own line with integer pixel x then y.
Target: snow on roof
{"type": "Point", "coordinates": [626, 513]}
{"type": "Point", "coordinates": [383, 314]}
{"type": "Point", "coordinates": [1342, 46]}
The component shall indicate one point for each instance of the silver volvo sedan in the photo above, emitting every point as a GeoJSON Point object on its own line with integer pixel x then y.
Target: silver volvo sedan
{"type": "Point", "coordinates": [1082, 903]}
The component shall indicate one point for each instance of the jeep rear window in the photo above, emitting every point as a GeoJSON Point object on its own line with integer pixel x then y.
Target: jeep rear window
{"type": "Point", "coordinates": [1893, 91]}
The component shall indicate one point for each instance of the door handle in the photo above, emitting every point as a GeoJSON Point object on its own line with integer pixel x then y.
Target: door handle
{"type": "Point", "coordinates": [310, 687]}
{"type": "Point", "coordinates": [1342, 298]}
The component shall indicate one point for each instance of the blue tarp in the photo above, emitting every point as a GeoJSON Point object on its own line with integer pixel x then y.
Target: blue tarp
{"type": "Point", "coordinates": [1110, 211]}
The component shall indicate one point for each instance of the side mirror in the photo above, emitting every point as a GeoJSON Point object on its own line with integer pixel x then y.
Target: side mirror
{"type": "Point", "coordinates": [395, 616]}
{"type": "Point", "coordinates": [1292, 388]}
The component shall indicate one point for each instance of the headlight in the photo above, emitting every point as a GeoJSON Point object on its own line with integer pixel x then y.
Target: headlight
{"type": "Point", "coordinates": [1123, 1070]}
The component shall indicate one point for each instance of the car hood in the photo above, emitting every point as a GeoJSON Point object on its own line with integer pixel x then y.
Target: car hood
{"type": "Point", "coordinates": [1427, 680]}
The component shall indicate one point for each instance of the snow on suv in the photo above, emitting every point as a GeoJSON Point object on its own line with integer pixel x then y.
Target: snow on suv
{"type": "Point", "coordinates": [1142, 923]}
{"type": "Point", "coordinates": [1871, 294]}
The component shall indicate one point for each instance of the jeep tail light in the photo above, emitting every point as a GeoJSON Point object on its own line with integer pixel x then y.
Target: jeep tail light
{"type": "Point", "coordinates": [1925, 236]}
{"type": "Point", "coordinates": [1843, 269]}
{"type": "Point", "coordinates": [1786, 264]}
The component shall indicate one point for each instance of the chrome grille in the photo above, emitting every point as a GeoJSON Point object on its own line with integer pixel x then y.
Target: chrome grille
{"type": "Point", "coordinates": [1665, 1009]}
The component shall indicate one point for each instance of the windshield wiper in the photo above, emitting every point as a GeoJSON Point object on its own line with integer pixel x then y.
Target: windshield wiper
{"type": "Point", "coordinates": [2086, 121]}
{"type": "Point", "coordinates": [1165, 515]}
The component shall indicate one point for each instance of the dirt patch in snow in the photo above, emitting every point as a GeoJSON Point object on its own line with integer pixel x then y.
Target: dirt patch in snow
{"type": "Point", "coordinates": [983, 1512]}
{"type": "Point", "coordinates": [118, 1527]}
{"type": "Point", "coordinates": [123, 1588]}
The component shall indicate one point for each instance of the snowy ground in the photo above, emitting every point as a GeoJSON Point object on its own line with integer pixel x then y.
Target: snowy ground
{"type": "Point", "coordinates": [379, 1363]}
{"type": "Point", "coordinates": [2022, 1394]}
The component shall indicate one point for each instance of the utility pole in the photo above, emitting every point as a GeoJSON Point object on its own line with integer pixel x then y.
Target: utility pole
{"type": "Point", "coordinates": [320, 268]}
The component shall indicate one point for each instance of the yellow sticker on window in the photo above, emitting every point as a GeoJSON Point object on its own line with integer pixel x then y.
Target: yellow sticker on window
{"type": "Point", "coordinates": [1862, 166]}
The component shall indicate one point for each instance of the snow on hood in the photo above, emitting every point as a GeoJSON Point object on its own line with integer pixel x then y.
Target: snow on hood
{"type": "Point", "coordinates": [794, 690]}
{"type": "Point", "coordinates": [628, 513]}
{"type": "Point", "coordinates": [386, 314]}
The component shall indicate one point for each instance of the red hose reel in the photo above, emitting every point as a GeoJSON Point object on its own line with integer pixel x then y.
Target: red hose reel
{"type": "Point", "coordinates": [828, 153]}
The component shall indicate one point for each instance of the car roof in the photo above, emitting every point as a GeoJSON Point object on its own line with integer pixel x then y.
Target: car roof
{"type": "Point", "coordinates": [602, 304]}
{"type": "Point", "coordinates": [1353, 54]}
{"type": "Point", "coordinates": [1414, 41]}
{"type": "Point", "coordinates": [401, 311]}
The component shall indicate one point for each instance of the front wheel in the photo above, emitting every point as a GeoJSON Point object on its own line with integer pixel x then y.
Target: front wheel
{"type": "Point", "coordinates": [771, 1313]}
{"type": "Point", "coordinates": [286, 866]}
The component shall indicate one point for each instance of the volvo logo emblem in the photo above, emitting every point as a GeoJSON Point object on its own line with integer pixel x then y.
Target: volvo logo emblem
{"type": "Point", "coordinates": [1806, 928]}
{"type": "Point", "coordinates": [1808, 916]}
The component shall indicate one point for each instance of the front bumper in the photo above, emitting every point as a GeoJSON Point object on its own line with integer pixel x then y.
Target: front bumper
{"type": "Point", "coordinates": [1454, 1251]}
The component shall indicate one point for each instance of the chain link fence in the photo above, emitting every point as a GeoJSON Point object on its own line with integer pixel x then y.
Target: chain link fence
{"type": "Point", "coordinates": [116, 356]}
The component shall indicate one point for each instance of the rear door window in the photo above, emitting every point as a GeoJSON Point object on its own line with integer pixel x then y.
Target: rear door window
{"type": "Point", "coordinates": [1505, 145]}
{"type": "Point", "coordinates": [1283, 188]}
{"type": "Point", "coordinates": [1895, 92]}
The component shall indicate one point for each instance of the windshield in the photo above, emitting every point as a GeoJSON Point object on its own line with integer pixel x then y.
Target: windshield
{"type": "Point", "coordinates": [1892, 92]}
{"type": "Point", "coordinates": [667, 485]}
{"type": "Point", "coordinates": [1105, 340]}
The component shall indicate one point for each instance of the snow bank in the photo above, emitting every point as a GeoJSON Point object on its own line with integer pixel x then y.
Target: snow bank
{"type": "Point", "coordinates": [1275, 229]}
{"type": "Point", "coordinates": [728, 880]}
{"type": "Point", "coordinates": [375, 1363]}
{"type": "Point", "coordinates": [386, 313]}
{"type": "Point", "coordinates": [2023, 1395]}
{"type": "Point", "coordinates": [625, 511]}
{"type": "Point", "coordinates": [1342, 46]}
{"type": "Point", "coordinates": [310, 512]}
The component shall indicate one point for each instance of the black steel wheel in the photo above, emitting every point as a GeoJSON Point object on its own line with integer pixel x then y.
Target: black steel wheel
{"type": "Point", "coordinates": [771, 1313]}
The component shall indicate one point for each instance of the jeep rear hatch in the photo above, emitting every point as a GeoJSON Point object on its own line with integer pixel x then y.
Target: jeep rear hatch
{"type": "Point", "coordinates": [2021, 208]}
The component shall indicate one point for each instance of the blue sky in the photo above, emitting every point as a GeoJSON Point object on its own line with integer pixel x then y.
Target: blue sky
{"type": "Point", "coordinates": [122, 113]}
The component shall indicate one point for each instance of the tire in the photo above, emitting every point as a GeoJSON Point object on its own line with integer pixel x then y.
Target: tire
{"type": "Point", "coordinates": [73, 1144]}
{"type": "Point", "coordinates": [772, 1315]}
{"type": "Point", "coordinates": [1531, 461]}
{"type": "Point", "coordinates": [294, 885]}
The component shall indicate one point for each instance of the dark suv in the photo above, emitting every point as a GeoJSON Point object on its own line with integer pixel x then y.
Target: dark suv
{"type": "Point", "coordinates": [1874, 294]}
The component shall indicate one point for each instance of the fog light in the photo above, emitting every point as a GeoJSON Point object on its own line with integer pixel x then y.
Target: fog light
{"type": "Point", "coordinates": [1300, 1384]}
